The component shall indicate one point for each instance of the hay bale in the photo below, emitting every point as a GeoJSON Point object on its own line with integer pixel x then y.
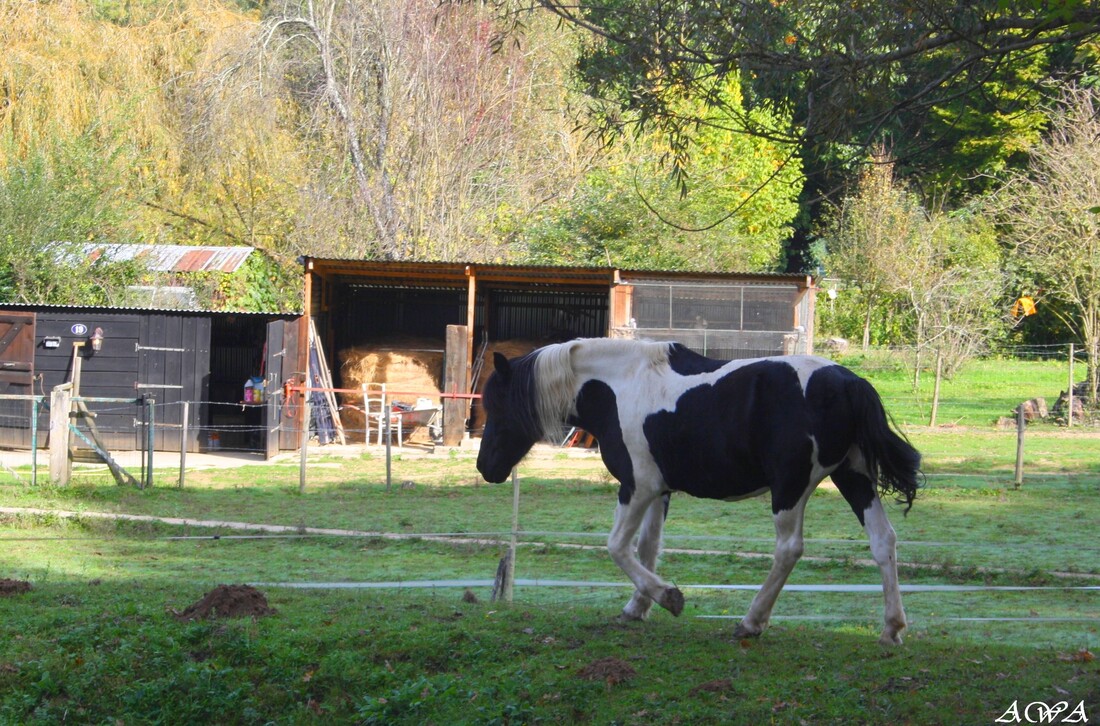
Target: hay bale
{"type": "Point", "coordinates": [411, 368]}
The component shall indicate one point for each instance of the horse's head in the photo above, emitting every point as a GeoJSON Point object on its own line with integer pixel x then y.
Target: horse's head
{"type": "Point", "coordinates": [511, 423]}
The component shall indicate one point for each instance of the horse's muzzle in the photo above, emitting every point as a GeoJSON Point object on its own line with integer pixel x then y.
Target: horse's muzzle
{"type": "Point", "coordinates": [493, 474]}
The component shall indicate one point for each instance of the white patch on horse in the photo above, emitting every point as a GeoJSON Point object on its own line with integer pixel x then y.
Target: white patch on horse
{"type": "Point", "coordinates": [819, 472]}
{"type": "Point", "coordinates": [788, 550]}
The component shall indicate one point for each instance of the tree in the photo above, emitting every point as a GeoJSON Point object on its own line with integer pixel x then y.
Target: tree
{"type": "Point", "coordinates": [953, 286]}
{"type": "Point", "coordinates": [844, 70]}
{"type": "Point", "coordinates": [867, 235]}
{"type": "Point", "coordinates": [940, 271]}
{"type": "Point", "coordinates": [437, 138]}
{"type": "Point", "coordinates": [737, 214]}
{"type": "Point", "coordinates": [1052, 217]}
{"type": "Point", "coordinates": [50, 205]}
{"type": "Point", "coordinates": [927, 76]}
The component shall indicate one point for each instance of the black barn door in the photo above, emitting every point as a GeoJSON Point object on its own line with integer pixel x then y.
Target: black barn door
{"type": "Point", "coordinates": [279, 361]}
{"type": "Point", "coordinates": [173, 364]}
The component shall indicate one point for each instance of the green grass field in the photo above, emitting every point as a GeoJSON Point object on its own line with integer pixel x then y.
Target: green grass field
{"type": "Point", "coordinates": [982, 392]}
{"type": "Point", "coordinates": [95, 640]}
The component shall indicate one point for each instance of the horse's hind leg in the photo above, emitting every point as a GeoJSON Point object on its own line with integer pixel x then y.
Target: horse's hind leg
{"type": "Point", "coordinates": [620, 544]}
{"type": "Point", "coordinates": [788, 550]}
{"type": "Point", "coordinates": [860, 493]}
{"type": "Point", "coordinates": [649, 548]}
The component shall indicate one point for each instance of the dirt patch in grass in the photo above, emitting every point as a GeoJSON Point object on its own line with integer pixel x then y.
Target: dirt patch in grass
{"type": "Point", "coordinates": [13, 587]}
{"type": "Point", "coordinates": [611, 671]}
{"type": "Point", "coordinates": [720, 685]}
{"type": "Point", "coordinates": [227, 601]}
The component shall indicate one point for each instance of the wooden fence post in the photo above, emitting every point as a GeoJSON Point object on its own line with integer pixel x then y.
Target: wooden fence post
{"type": "Point", "coordinates": [1021, 426]}
{"type": "Point", "coordinates": [60, 403]}
{"type": "Point", "coordinates": [1069, 396]}
{"type": "Point", "coordinates": [936, 389]}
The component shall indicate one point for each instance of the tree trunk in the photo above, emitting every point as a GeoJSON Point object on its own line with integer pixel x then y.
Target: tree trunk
{"type": "Point", "coordinates": [916, 370]}
{"type": "Point", "coordinates": [867, 327]}
{"type": "Point", "coordinates": [1094, 369]}
{"type": "Point", "coordinates": [1090, 330]}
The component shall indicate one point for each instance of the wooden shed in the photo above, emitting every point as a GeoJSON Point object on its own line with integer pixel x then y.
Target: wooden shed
{"type": "Point", "coordinates": [171, 356]}
{"type": "Point", "coordinates": [372, 306]}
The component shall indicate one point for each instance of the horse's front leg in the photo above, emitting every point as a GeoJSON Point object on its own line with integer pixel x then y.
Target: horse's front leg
{"type": "Point", "coordinates": [628, 518]}
{"type": "Point", "coordinates": [788, 550]}
{"type": "Point", "coordinates": [649, 548]}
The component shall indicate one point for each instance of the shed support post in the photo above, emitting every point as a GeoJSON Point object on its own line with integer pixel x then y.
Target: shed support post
{"type": "Point", "coordinates": [454, 381]}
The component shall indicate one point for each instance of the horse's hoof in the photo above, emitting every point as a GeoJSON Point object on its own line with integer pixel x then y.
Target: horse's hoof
{"type": "Point", "coordinates": [890, 639]}
{"type": "Point", "coordinates": [743, 631]}
{"type": "Point", "coordinates": [672, 600]}
{"type": "Point", "coordinates": [628, 617]}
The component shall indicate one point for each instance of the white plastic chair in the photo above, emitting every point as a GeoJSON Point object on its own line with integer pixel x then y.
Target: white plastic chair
{"type": "Point", "coordinates": [375, 404]}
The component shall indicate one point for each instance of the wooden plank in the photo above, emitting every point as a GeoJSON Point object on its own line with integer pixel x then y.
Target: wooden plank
{"type": "Point", "coordinates": [471, 310]}
{"type": "Point", "coordinates": [289, 437]}
{"type": "Point", "coordinates": [302, 373]}
{"type": "Point", "coordinates": [273, 383]}
{"type": "Point", "coordinates": [454, 381]}
{"type": "Point", "coordinates": [621, 303]}
{"type": "Point", "coordinates": [60, 466]}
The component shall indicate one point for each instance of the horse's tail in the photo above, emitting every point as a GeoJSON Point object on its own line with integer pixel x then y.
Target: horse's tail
{"type": "Point", "coordinates": [891, 460]}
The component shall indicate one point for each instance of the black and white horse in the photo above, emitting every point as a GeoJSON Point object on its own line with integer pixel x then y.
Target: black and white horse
{"type": "Point", "coordinates": [668, 419]}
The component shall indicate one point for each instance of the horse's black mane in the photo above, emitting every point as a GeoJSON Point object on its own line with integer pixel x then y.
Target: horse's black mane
{"type": "Point", "coordinates": [520, 397]}
{"type": "Point", "coordinates": [687, 362]}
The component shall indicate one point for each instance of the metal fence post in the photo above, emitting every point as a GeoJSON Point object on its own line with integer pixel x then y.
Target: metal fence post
{"type": "Point", "coordinates": [510, 568]}
{"type": "Point", "coordinates": [34, 441]}
{"type": "Point", "coordinates": [386, 414]}
{"type": "Point", "coordinates": [303, 442]}
{"type": "Point", "coordinates": [183, 442]}
{"type": "Point", "coordinates": [150, 429]}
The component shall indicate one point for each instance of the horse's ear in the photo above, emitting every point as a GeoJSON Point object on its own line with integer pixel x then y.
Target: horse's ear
{"type": "Point", "coordinates": [502, 366]}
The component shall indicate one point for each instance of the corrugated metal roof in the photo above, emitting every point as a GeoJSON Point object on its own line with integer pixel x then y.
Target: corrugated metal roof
{"type": "Point", "coordinates": [174, 258]}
